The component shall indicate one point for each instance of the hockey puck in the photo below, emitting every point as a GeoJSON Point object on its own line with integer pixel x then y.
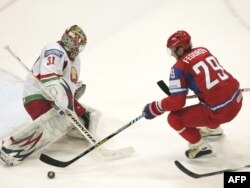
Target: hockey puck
{"type": "Point", "coordinates": [51, 174]}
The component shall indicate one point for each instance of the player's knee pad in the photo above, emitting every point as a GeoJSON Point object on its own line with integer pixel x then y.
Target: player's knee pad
{"type": "Point", "coordinates": [175, 121]}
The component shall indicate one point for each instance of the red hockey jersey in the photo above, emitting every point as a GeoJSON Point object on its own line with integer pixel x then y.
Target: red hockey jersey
{"type": "Point", "coordinates": [200, 72]}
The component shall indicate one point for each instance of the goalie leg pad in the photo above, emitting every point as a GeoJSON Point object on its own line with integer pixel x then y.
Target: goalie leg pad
{"type": "Point", "coordinates": [95, 115]}
{"type": "Point", "coordinates": [33, 137]}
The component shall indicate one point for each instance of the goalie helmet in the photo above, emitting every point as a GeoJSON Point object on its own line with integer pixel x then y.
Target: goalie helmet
{"type": "Point", "coordinates": [179, 39]}
{"type": "Point", "coordinates": [73, 41]}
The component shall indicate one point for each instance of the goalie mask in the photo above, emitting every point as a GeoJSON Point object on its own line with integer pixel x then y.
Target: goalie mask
{"type": "Point", "coordinates": [73, 41]}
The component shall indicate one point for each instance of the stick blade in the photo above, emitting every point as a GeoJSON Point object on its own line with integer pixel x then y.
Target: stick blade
{"type": "Point", "coordinates": [164, 87]}
{"type": "Point", "coordinates": [54, 162]}
{"type": "Point", "coordinates": [186, 171]}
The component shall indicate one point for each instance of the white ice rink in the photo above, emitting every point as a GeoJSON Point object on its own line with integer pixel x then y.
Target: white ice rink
{"type": "Point", "coordinates": [124, 58]}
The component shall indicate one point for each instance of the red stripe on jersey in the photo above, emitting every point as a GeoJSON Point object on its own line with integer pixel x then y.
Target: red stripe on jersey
{"type": "Point", "coordinates": [45, 76]}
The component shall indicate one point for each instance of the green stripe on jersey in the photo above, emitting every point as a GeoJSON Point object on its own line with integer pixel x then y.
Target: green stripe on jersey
{"type": "Point", "coordinates": [32, 97]}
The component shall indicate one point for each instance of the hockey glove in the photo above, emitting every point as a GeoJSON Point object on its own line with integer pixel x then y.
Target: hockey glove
{"type": "Point", "coordinates": [152, 110]}
{"type": "Point", "coordinates": [80, 90]}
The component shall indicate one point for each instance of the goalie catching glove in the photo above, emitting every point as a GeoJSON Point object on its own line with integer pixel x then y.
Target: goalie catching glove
{"type": "Point", "coordinates": [152, 110]}
{"type": "Point", "coordinates": [80, 89]}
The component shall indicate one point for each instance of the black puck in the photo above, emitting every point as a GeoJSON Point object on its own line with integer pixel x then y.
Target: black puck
{"type": "Point", "coordinates": [51, 174]}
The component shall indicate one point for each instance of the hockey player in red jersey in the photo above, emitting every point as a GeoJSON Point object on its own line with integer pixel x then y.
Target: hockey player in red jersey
{"type": "Point", "coordinates": [218, 92]}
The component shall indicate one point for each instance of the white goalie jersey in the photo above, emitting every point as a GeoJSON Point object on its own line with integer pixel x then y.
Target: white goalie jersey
{"type": "Point", "coordinates": [52, 64]}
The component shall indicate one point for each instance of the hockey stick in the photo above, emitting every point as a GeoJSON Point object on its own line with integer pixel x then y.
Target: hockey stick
{"type": "Point", "coordinates": [165, 89]}
{"type": "Point", "coordinates": [195, 175]}
{"type": "Point", "coordinates": [73, 118]}
{"type": "Point", "coordinates": [57, 163]}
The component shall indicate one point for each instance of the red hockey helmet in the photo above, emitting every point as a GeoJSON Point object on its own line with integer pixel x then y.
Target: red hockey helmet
{"type": "Point", "coordinates": [179, 39]}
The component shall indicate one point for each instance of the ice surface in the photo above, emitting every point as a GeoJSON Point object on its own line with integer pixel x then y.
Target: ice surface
{"type": "Point", "coordinates": [124, 58]}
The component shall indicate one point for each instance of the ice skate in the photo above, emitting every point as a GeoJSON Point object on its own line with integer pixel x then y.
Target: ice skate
{"type": "Point", "coordinates": [207, 132]}
{"type": "Point", "coordinates": [199, 149]}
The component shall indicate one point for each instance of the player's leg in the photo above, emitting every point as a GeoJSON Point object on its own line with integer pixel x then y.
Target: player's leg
{"type": "Point", "coordinates": [224, 115]}
{"type": "Point", "coordinates": [37, 107]}
{"type": "Point", "coordinates": [209, 132]}
{"type": "Point", "coordinates": [35, 136]}
{"type": "Point", "coordinates": [185, 122]}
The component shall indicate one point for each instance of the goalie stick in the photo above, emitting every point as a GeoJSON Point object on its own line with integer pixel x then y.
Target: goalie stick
{"type": "Point", "coordinates": [195, 175]}
{"type": "Point", "coordinates": [165, 89]}
{"type": "Point", "coordinates": [57, 163]}
{"type": "Point", "coordinates": [74, 119]}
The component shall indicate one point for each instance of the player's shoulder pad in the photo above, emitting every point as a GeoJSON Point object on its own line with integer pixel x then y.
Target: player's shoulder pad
{"type": "Point", "coordinates": [53, 49]}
